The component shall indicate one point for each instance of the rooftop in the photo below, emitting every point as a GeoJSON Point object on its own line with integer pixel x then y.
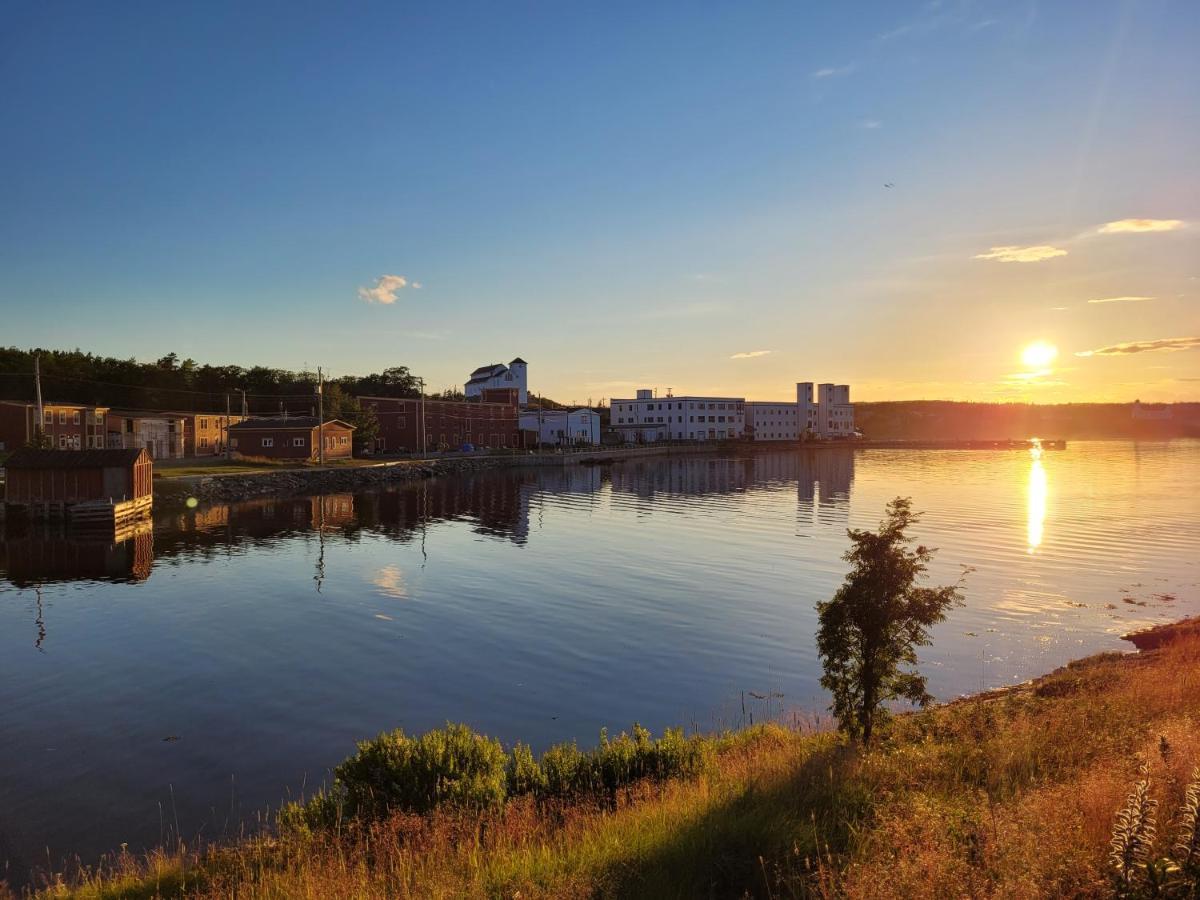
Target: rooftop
{"type": "Point", "coordinates": [278, 423]}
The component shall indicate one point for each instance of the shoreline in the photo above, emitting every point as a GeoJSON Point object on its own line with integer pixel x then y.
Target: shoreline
{"type": "Point", "coordinates": [1083, 689]}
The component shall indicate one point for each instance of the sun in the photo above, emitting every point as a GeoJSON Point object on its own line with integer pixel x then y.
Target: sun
{"type": "Point", "coordinates": [1039, 354]}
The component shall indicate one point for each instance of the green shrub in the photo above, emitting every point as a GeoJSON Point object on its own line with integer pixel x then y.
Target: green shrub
{"type": "Point", "coordinates": [563, 766]}
{"type": "Point", "coordinates": [454, 766]}
{"type": "Point", "coordinates": [525, 776]}
{"type": "Point", "coordinates": [451, 765]}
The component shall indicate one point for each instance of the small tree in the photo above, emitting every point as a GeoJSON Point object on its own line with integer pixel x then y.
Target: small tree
{"type": "Point", "coordinates": [871, 628]}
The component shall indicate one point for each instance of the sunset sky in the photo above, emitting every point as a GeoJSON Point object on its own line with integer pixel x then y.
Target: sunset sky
{"type": "Point", "coordinates": [715, 197]}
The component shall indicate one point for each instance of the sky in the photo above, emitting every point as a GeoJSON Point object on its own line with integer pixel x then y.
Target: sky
{"type": "Point", "coordinates": [711, 197]}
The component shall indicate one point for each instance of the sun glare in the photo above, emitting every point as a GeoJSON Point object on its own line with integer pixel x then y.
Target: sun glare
{"type": "Point", "coordinates": [1039, 354]}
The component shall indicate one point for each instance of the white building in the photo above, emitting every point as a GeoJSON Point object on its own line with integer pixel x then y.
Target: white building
{"type": "Point", "coordinates": [561, 427]}
{"type": "Point", "coordinates": [835, 412]}
{"type": "Point", "coordinates": [782, 421]}
{"type": "Point", "coordinates": [498, 375]}
{"type": "Point", "coordinates": [648, 418]}
{"type": "Point", "coordinates": [832, 415]}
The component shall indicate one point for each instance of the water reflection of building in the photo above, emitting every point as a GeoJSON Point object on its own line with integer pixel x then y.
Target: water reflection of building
{"type": "Point", "coordinates": [683, 475]}
{"type": "Point", "coordinates": [823, 478]}
{"type": "Point", "coordinates": [34, 554]}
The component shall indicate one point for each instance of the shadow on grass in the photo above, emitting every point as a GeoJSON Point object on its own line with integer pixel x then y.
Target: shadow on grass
{"type": "Point", "coordinates": [766, 841]}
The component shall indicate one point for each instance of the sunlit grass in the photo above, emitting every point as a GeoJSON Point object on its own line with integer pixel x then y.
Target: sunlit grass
{"type": "Point", "coordinates": [1013, 794]}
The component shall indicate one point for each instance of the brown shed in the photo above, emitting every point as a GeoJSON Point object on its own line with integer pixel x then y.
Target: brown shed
{"type": "Point", "coordinates": [67, 477]}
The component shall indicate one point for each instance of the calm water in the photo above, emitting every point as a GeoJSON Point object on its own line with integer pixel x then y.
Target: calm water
{"type": "Point", "coordinates": [264, 638]}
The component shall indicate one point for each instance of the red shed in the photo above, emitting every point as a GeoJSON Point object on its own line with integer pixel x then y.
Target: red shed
{"type": "Point", "coordinates": [64, 478]}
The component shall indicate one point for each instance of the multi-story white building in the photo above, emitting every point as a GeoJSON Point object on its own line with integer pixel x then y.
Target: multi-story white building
{"type": "Point", "coordinates": [832, 415]}
{"type": "Point", "coordinates": [498, 375]}
{"type": "Point", "coordinates": [782, 421]}
{"type": "Point", "coordinates": [561, 427]}
{"type": "Point", "coordinates": [648, 418]}
{"type": "Point", "coordinates": [835, 412]}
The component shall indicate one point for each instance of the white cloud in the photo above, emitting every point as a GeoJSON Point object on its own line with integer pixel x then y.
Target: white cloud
{"type": "Point", "coordinates": [1128, 226]}
{"type": "Point", "coordinates": [1163, 344]}
{"type": "Point", "coordinates": [833, 71]}
{"type": "Point", "coordinates": [751, 354]}
{"type": "Point", "coordinates": [1121, 300]}
{"type": "Point", "coordinates": [870, 123]}
{"type": "Point", "coordinates": [386, 291]}
{"type": "Point", "coordinates": [1022, 254]}
{"type": "Point", "coordinates": [416, 285]}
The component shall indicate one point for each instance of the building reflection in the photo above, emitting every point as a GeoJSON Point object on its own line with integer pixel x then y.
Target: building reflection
{"type": "Point", "coordinates": [686, 475]}
{"type": "Point", "coordinates": [496, 505]}
{"type": "Point", "coordinates": [37, 553]}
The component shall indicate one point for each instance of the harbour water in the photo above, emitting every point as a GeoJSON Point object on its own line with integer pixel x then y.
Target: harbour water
{"type": "Point", "coordinates": [193, 676]}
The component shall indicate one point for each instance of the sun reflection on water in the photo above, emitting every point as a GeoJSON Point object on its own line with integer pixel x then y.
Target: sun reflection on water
{"type": "Point", "coordinates": [1036, 516]}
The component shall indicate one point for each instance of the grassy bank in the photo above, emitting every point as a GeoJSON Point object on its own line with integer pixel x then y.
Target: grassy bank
{"type": "Point", "coordinates": [1006, 795]}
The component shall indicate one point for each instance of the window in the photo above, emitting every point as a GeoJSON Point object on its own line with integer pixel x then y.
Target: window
{"type": "Point", "coordinates": [297, 442]}
{"type": "Point", "coordinates": [62, 442]}
{"type": "Point", "coordinates": [75, 418]}
{"type": "Point", "coordinates": [203, 442]}
{"type": "Point", "coordinates": [48, 417]}
{"type": "Point", "coordinates": [268, 442]}
{"type": "Point", "coordinates": [62, 417]}
{"type": "Point", "coordinates": [99, 417]}
{"type": "Point", "coordinates": [400, 421]}
{"type": "Point", "coordinates": [204, 424]}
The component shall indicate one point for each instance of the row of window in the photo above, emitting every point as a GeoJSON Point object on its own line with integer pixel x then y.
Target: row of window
{"type": "Point", "coordinates": [75, 417]}
{"type": "Point", "coordinates": [650, 420]}
{"type": "Point", "coordinates": [633, 407]}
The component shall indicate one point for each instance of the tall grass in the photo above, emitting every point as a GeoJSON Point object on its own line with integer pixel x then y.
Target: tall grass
{"type": "Point", "coordinates": [1011, 795]}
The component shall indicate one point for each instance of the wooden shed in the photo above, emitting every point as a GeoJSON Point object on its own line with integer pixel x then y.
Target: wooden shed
{"type": "Point", "coordinates": [56, 481]}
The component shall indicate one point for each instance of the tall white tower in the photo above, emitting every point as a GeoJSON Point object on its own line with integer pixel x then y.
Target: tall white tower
{"type": "Point", "coordinates": [519, 368]}
{"type": "Point", "coordinates": [806, 410]}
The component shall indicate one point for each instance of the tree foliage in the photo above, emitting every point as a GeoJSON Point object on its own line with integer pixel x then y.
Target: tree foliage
{"type": "Point", "coordinates": [168, 383]}
{"type": "Point", "coordinates": [870, 629]}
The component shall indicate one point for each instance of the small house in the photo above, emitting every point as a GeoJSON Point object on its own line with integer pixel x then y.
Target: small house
{"type": "Point", "coordinates": [294, 437]}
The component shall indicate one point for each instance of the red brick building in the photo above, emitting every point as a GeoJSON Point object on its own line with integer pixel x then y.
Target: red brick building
{"type": "Point", "coordinates": [295, 437]}
{"type": "Point", "coordinates": [447, 425]}
{"type": "Point", "coordinates": [69, 426]}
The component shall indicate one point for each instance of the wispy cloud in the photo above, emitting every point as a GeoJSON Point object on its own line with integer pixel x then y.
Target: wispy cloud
{"type": "Point", "coordinates": [894, 33]}
{"type": "Point", "coordinates": [386, 290]}
{"type": "Point", "coordinates": [870, 123]}
{"type": "Point", "coordinates": [1163, 344]}
{"type": "Point", "coordinates": [752, 354]}
{"type": "Point", "coordinates": [834, 71]}
{"type": "Point", "coordinates": [1121, 300]}
{"type": "Point", "coordinates": [1022, 254]}
{"type": "Point", "coordinates": [1127, 226]}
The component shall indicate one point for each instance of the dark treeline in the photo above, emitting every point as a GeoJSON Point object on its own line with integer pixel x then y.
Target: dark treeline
{"type": "Point", "coordinates": [948, 420]}
{"type": "Point", "coordinates": [179, 385]}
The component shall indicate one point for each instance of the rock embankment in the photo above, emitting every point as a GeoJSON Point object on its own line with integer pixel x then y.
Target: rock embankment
{"type": "Point", "coordinates": [217, 488]}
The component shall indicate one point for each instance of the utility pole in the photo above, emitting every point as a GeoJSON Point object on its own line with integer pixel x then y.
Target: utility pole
{"type": "Point", "coordinates": [320, 417]}
{"type": "Point", "coordinates": [226, 437]}
{"type": "Point", "coordinates": [421, 417]}
{"type": "Point", "coordinates": [245, 414]}
{"type": "Point", "coordinates": [41, 415]}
